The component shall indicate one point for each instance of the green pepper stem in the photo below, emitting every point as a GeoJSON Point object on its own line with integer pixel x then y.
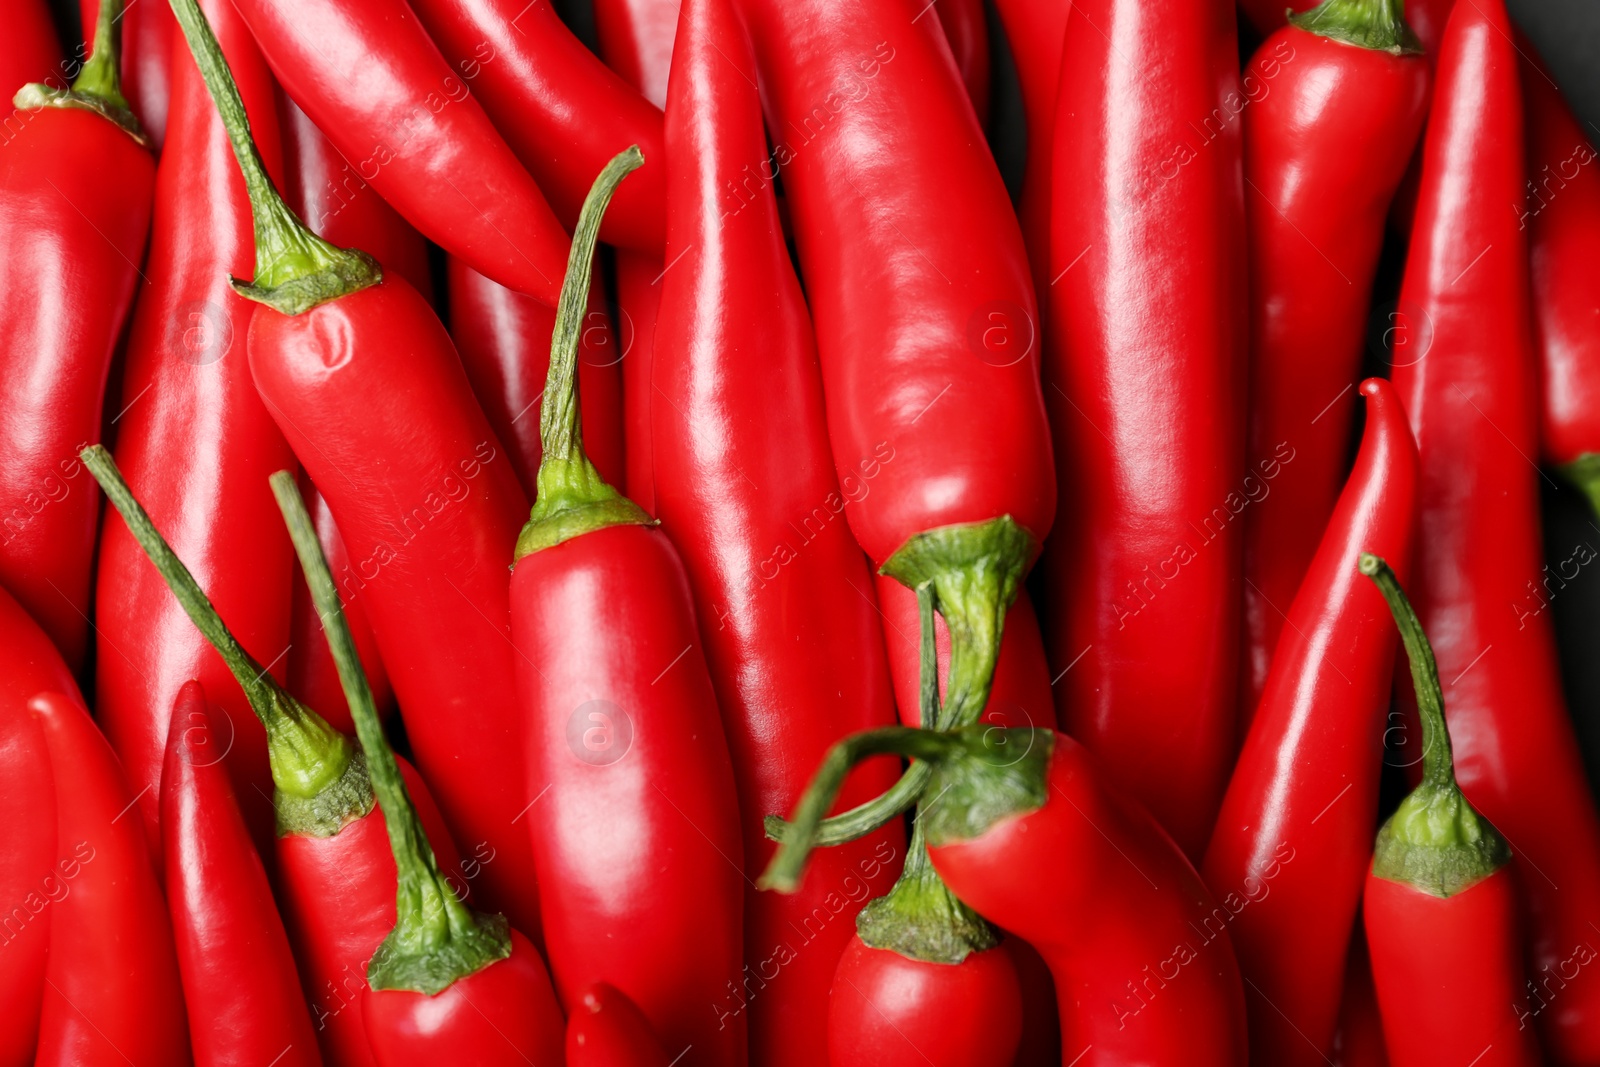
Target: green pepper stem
{"type": "Point", "coordinates": [1438, 762]}
{"type": "Point", "coordinates": [100, 76]}
{"type": "Point", "coordinates": [571, 497]}
{"type": "Point", "coordinates": [295, 269]}
{"type": "Point", "coordinates": [1584, 474]}
{"type": "Point", "coordinates": [1376, 24]}
{"type": "Point", "coordinates": [307, 755]}
{"type": "Point", "coordinates": [436, 938]}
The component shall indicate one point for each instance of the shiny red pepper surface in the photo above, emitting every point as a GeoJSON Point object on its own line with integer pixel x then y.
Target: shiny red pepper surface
{"type": "Point", "coordinates": [1294, 834]}
{"type": "Point", "coordinates": [1146, 386]}
{"type": "Point", "coordinates": [111, 988]}
{"type": "Point", "coordinates": [1329, 132]}
{"type": "Point", "coordinates": [606, 1029]}
{"type": "Point", "coordinates": [968, 36]}
{"type": "Point", "coordinates": [1467, 374]}
{"type": "Point", "coordinates": [31, 52]}
{"type": "Point", "coordinates": [239, 979]}
{"type": "Point", "coordinates": [636, 41]}
{"type": "Point", "coordinates": [782, 591]}
{"type": "Point", "coordinates": [1358, 1042]}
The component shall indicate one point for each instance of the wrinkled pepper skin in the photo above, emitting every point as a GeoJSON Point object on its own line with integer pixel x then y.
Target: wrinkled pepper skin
{"type": "Point", "coordinates": [1466, 372]}
{"type": "Point", "coordinates": [606, 1029]}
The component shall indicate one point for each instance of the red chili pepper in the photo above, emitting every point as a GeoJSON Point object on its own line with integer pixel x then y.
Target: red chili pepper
{"type": "Point", "coordinates": [636, 42]}
{"type": "Point", "coordinates": [111, 988]}
{"type": "Point", "coordinates": [239, 979]}
{"type": "Point", "coordinates": [372, 80]}
{"type": "Point", "coordinates": [1466, 374]}
{"type": "Point", "coordinates": [1146, 377]}
{"type": "Point", "coordinates": [446, 984]}
{"type": "Point", "coordinates": [1358, 1042]}
{"type": "Point", "coordinates": [967, 30]}
{"type": "Point", "coordinates": [1426, 17]}
{"type": "Point", "coordinates": [76, 176]}
{"type": "Point", "coordinates": [196, 444]}
{"type": "Point", "coordinates": [1294, 835]}
{"type": "Point", "coordinates": [606, 1029]}
{"type": "Point", "coordinates": [147, 34]}
{"type": "Point", "coordinates": [622, 720]}
{"type": "Point", "coordinates": [926, 322]}
{"type": "Point", "coordinates": [30, 880]}
{"type": "Point", "coordinates": [504, 340]}
{"type": "Point", "coordinates": [370, 393]}
{"type": "Point", "coordinates": [563, 111]}
{"type": "Point", "coordinates": [1320, 176]}
{"type": "Point", "coordinates": [31, 52]}
{"type": "Point", "coordinates": [1041, 1021]}
{"type": "Point", "coordinates": [1440, 902]}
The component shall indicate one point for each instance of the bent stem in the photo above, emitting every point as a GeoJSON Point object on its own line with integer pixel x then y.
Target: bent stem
{"type": "Point", "coordinates": [570, 496]}
{"type": "Point", "coordinates": [1435, 841]}
{"type": "Point", "coordinates": [1376, 24]}
{"type": "Point", "coordinates": [295, 269]}
{"type": "Point", "coordinates": [320, 779]}
{"type": "Point", "coordinates": [98, 87]}
{"type": "Point", "coordinates": [436, 938]}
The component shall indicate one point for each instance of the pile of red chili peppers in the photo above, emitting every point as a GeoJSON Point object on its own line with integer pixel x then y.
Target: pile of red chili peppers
{"type": "Point", "coordinates": [654, 555]}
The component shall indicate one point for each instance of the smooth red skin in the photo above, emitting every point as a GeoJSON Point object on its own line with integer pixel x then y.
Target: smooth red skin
{"type": "Point", "coordinates": [1040, 1045]}
{"type": "Point", "coordinates": [1034, 31]}
{"type": "Point", "coordinates": [1472, 397]}
{"type": "Point", "coordinates": [1563, 238]}
{"type": "Point", "coordinates": [1426, 19]}
{"type": "Point", "coordinates": [505, 1014]}
{"type": "Point", "coordinates": [639, 279]}
{"type": "Point", "coordinates": [337, 895]}
{"type": "Point", "coordinates": [563, 111]}
{"type": "Point", "coordinates": [1358, 1042]}
{"type": "Point", "coordinates": [1448, 973]}
{"type": "Point", "coordinates": [891, 1011]}
{"type": "Point", "coordinates": [312, 675]}
{"type": "Point", "coordinates": [29, 664]}
{"type": "Point", "coordinates": [31, 51]}
{"type": "Point", "coordinates": [640, 878]}
{"type": "Point", "coordinates": [1324, 149]}
{"type": "Point", "coordinates": [75, 196]}
{"type": "Point", "coordinates": [328, 193]}
{"type": "Point", "coordinates": [1021, 692]}
{"type": "Point", "coordinates": [369, 76]}
{"type": "Point", "coordinates": [910, 305]}
{"type": "Point", "coordinates": [782, 591]}
{"type": "Point", "coordinates": [968, 33]}
{"type": "Point", "coordinates": [1308, 776]}
{"type": "Point", "coordinates": [606, 1029]}
{"type": "Point", "coordinates": [239, 979]}
{"type": "Point", "coordinates": [196, 445]}
{"type": "Point", "coordinates": [147, 49]}
{"type": "Point", "coordinates": [111, 988]}
{"type": "Point", "coordinates": [636, 41]}
{"type": "Point", "coordinates": [372, 397]}
{"type": "Point", "coordinates": [1093, 883]}
{"type": "Point", "coordinates": [504, 340]}
{"type": "Point", "coordinates": [1146, 373]}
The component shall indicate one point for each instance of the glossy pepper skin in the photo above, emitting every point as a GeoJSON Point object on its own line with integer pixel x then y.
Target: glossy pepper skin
{"type": "Point", "coordinates": [622, 720]}
{"type": "Point", "coordinates": [30, 876]}
{"type": "Point", "coordinates": [31, 52]}
{"type": "Point", "coordinates": [196, 445]}
{"type": "Point", "coordinates": [1325, 146]}
{"type": "Point", "coordinates": [636, 41]}
{"type": "Point", "coordinates": [1146, 386]}
{"type": "Point", "coordinates": [1358, 1041]}
{"type": "Point", "coordinates": [562, 110]}
{"type": "Point", "coordinates": [782, 591]}
{"type": "Point", "coordinates": [239, 978]}
{"type": "Point", "coordinates": [1466, 375]}
{"type": "Point", "coordinates": [1295, 830]}
{"type": "Point", "coordinates": [606, 1029]}
{"type": "Point", "coordinates": [968, 35]}
{"type": "Point", "coordinates": [112, 993]}
{"type": "Point", "coordinates": [373, 81]}
{"type": "Point", "coordinates": [75, 192]}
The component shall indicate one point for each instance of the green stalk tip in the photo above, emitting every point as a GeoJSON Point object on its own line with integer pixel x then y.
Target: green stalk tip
{"type": "Point", "coordinates": [1379, 25]}
{"type": "Point", "coordinates": [98, 87]}
{"type": "Point", "coordinates": [1583, 474]}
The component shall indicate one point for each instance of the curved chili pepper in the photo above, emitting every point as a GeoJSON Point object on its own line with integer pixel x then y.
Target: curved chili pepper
{"type": "Point", "coordinates": [636, 42]}
{"type": "Point", "coordinates": [1466, 374]}
{"type": "Point", "coordinates": [31, 52]}
{"type": "Point", "coordinates": [968, 33]}
{"type": "Point", "coordinates": [370, 394]}
{"type": "Point", "coordinates": [111, 988]}
{"type": "Point", "coordinates": [239, 979]}
{"type": "Point", "coordinates": [335, 872]}
{"type": "Point", "coordinates": [1306, 784]}
{"type": "Point", "coordinates": [31, 881]}
{"type": "Point", "coordinates": [1358, 1041]}
{"type": "Point", "coordinates": [446, 984]}
{"type": "Point", "coordinates": [782, 592]}
{"type": "Point", "coordinates": [563, 111]}
{"type": "Point", "coordinates": [606, 1029]}
{"type": "Point", "coordinates": [372, 80]}
{"type": "Point", "coordinates": [925, 321]}
{"type": "Point", "coordinates": [76, 176]}
{"type": "Point", "coordinates": [147, 34]}
{"type": "Point", "coordinates": [1440, 902]}
{"type": "Point", "coordinates": [196, 444]}
{"type": "Point", "coordinates": [1146, 377]}
{"type": "Point", "coordinates": [622, 720]}
{"type": "Point", "coordinates": [1320, 177]}
{"type": "Point", "coordinates": [1034, 30]}
{"type": "Point", "coordinates": [1029, 832]}
{"type": "Point", "coordinates": [504, 340]}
